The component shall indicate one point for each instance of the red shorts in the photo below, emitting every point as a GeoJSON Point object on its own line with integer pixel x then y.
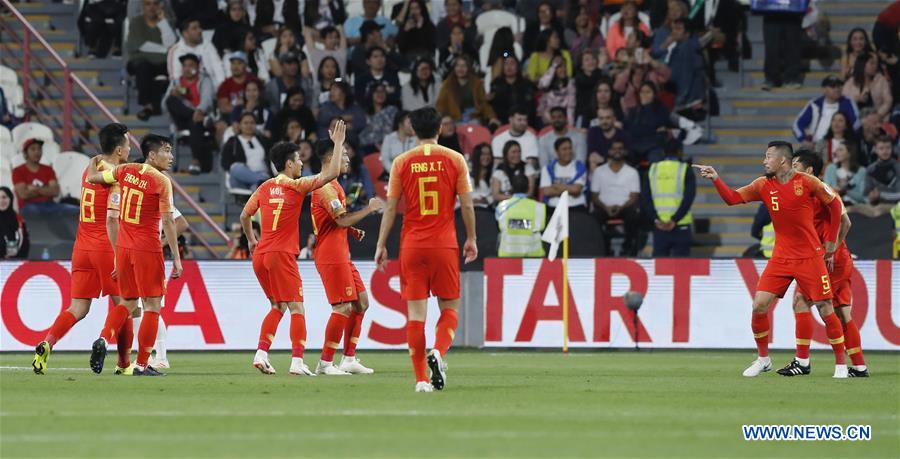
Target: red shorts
{"type": "Point", "coordinates": [426, 272]}
{"type": "Point", "coordinates": [839, 278]}
{"type": "Point", "coordinates": [811, 275]}
{"type": "Point", "coordinates": [140, 274]}
{"type": "Point", "coordinates": [279, 277]}
{"type": "Point", "coordinates": [92, 274]}
{"type": "Point", "coordinates": [341, 281]}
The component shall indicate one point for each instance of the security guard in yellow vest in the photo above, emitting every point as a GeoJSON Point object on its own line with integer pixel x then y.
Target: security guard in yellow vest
{"type": "Point", "coordinates": [672, 188]}
{"type": "Point", "coordinates": [521, 222]}
{"type": "Point", "coordinates": [895, 212]}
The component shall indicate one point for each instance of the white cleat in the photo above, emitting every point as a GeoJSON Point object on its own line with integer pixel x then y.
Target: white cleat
{"type": "Point", "coordinates": [841, 372]}
{"type": "Point", "coordinates": [160, 363]}
{"type": "Point", "coordinates": [760, 365]}
{"type": "Point", "coordinates": [438, 369]}
{"type": "Point", "coordinates": [264, 366]}
{"type": "Point", "coordinates": [354, 366]}
{"type": "Point", "coordinates": [298, 368]}
{"type": "Point", "coordinates": [424, 386]}
{"type": "Point", "coordinates": [328, 369]}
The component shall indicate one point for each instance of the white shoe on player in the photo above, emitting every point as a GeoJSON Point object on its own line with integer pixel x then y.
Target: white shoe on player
{"type": "Point", "coordinates": [159, 363]}
{"type": "Point", "coordinates": [328, 369]}
{"type": "Point", "coordinates": [261, 363]}
{"type": "Point", "coordinates": [424, 386]}
{"type": "Point", "coordinates": [760, 365]}
{"type": "Point", "coordinates": [298, 368]}
{"type": "Point", "coordinates": [841, 372]}
{"type": "Point", "coordinates": [354, 366]}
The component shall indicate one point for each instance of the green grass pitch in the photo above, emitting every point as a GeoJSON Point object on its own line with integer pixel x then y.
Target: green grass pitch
{"type": "Point", "coordinates": [503, 404]}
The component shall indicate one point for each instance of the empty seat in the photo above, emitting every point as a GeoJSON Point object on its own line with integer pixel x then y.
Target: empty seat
{"type": "Point", "coordinates": [5, 136]}
{"type": "Point", "coordinates": [471, 135]}
{"type": "Point", "coordinates": [8, 76]}
{"type": "Point", "coordinates": [69, 167]}
{"type": "Point", "coordinates": [30, 130]}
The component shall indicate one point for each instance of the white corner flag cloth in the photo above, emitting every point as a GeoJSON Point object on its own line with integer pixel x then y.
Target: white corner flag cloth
{"type": "Point", "coordinates": [558, 226]}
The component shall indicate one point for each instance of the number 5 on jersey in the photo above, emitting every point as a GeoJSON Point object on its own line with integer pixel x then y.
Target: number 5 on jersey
{"type": "Point", "coordinates": [426, 196]}
{"type": "Point", "coordinates": [774, 202]}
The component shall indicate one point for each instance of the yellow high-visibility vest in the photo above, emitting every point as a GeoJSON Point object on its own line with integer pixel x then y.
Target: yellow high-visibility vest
{"type": "Point", "coordinates": [767, 243]}
{"type": "Point", "coordinates": [667, 180]}
{"type": "Point", "coordinates": [521, 221]}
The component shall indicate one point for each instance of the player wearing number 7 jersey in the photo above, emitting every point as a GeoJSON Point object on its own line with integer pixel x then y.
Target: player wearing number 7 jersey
{"type": "Point", "coordinates": [279, 201]}
{"type": "Point", "coordinates": [146, 199]}
{"type": "Point", "coordinates": [429, 178]}
{"type": "Point", "coordinates": [93, 259]}
{"type": "Point", "coordinates": [792, 198]}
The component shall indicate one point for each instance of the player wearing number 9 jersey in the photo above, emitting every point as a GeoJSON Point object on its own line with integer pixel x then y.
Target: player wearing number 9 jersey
{"type": "Point", "coordinates": [93, 258]}
{"type": "Point", "coordinates": [146, 200]}
{"type": "Point", "coordinates": [279, 201]}
{"type": "Point", "coordinates": [429, 178]}
{"type": "Point", "coordinates": [792, 198]}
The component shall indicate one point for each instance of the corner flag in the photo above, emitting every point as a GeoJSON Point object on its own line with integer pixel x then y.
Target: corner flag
{"type": "Point", "coordinates": [558, 226]}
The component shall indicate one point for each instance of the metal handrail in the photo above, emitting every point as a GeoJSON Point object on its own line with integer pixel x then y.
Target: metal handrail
{"type": "Point", "coordinates": [70, 78]}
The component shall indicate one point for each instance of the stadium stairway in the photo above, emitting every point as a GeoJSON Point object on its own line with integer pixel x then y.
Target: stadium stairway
{"type": "Point", "coordinates": [57, 23]}
{"type": "Point", "coordinates": [750, 118]}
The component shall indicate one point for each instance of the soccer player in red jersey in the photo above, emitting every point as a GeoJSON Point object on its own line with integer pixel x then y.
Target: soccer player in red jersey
{"type": "Point", "coordinates": [93, 259]}
{"type": "Point", "coordinates": [343, 286]}
{"type": "Point", "coordinates": [429, 178]}
{"type": "Point", "coordinates": [146, 200]}
{"type": "Point", "coordinates": [811, 163]}
{"type": "Point", "coordinates": [279, 201]}
{"type": "Point", "coordinates": [791, 198]}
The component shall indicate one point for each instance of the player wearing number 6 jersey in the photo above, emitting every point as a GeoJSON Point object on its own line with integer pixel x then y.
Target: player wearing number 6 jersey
{"type": "Point", "coordinates": [279, 201]}
{"type": "Point", "coordinates": [429, 178]}
{"type": "Point", "coordinates": [93, 258]}
{"type": "Point", "coordinates": [791, 198]}
{"type": "Point", "coordinates": [146, 199]}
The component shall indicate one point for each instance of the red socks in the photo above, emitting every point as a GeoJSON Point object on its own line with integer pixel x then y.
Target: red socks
{"type": "Point", "coordinates": [333, 332]}
{"type": "Point", "coordinates": [298, 335]}
{"type": "Point", "coordinates": [415, 336]}
{"type": "Point", "coordinates": [803, 323]}
{"type": "Point", "coordinates": [123, 343]}
{"type": "Point", "coordinates": [268, 329]}
{"type": "Point", "coordinates": [853, 343]}
{"type": "Point", "coordinates": [147, 337]}
{"type": "Point", "coordinates": [836, 337]}
{"type": "Point", "coordinates": [63, 323]}
{"type": "Point", "coordinates": [114, 321]}
{"type": "Point", "coordinates": [351, 332]}
{"type": "Point", "coordinates": [760, 326]}
{"type": "Point", "coordinates": [445, 330]}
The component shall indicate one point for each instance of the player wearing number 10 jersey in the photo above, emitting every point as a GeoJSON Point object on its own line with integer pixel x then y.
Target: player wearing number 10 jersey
{"type": "Point", "coordinates": [146, 200]}
{"type": "Point", "coordinates": [279, 201]}
{"type": "Point", "coordinates": [92, 257]}
{"type": "Point", "coordinates": [429, 178]}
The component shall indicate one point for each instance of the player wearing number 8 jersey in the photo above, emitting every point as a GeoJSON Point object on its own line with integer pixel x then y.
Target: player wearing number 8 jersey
{"type": "Point", "coordinates": [791, 198]}
{"type": "Point", "coordinates": [92, 256]}
{"type": "Point", "coordinates": [279, 201]}
{"type": "Point", "coordinates": [429, 178]}
{"type": "Point", "coordinates": [146, 200]}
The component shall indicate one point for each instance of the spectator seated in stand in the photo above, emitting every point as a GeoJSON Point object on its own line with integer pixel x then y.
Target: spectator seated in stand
{"type": "Point", "coordinates": [295, 108]}
{"type": "Point", "coordinates": [416, 35]}
{"type": "Point", "coordinates": [244, 156]}
{"type": "Point", "coordinates": [601, 136]}
{"type": "Point", "coordinates": [883, 178]}
{"type": "Point", "coordinates": [846, 176]}
{"type": "Point", "coordinates": [462, 96]}
{"type": "Point", "coordinates": [647, 126]}
{"type": "Point", "coordinates": [522, 134]}
{"type": "Point", "coordinates": [422, 89]}
{"type": "Point", "coordinates": [277, 88]}
{"type": "Point", "coordinates": [378, 72]}
{"type": "Point", "coordinates": [561, 128]}
{"type": "Point", "coordinates": [231, 91]}
{"type": "Point", "coordinates": [192, 43]}
{"type": "Point", "coordinates": [371, 8]}
{"type": "Point", "coordinates": [814, 120]}
{"type": "Point", "coordinates": [868, 87]}
{"type": "Point", "coordinates": [512, 165]}
{"type": "Point", "coordinates": [334, 45]}
{"type": "Point", "coordinates": [380, 119]}
{"type": "Point", "coordinates": [546, 20]}
{"type": "Point", "coordinates": [549, 46]}
{"type": "Point", "coordinates": [13, 234]}
{"type": "Point", "coordinates": [100, 26]}
{"type": "Point", "coordinates": [481, 169]}
{"type": "Point", "coordinates": [401, 140]}
{"type": "Point", "coordinates": [558, 90]}
{"type": "Point", "coordinates": [619, 31]}
{"type": "Point", "coordinates": [149, 38]}
{"type": "Point", "coordinates": [839, 133]}
{"type": "Point", "coordinates": [190, 99]}
{"type": "Point", "coordinates": [684, 56]}
{"type": "Point", "coordinates": [448, 137]}
{"type": "Point", "coordinates": [587, 77]}
{"type": "Point", "coordinates": [455, 48]}
{"type": "Point", "coordinates": [253, 102]}
{"type": "Point", "coordinates": [564, 173]}
{"type": "Point", "coordinates": [36, 185]}
{"type": "Point", "coordinates": [342, 105]}
{"type": "Point", "coordinates": [615, 192]}
{"type": "Point", "coordinates": [511, 90]}
{"type": "Point", "coordinates": [229, 34]}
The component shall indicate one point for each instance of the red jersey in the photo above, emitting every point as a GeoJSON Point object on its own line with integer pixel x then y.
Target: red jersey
{"type": "Point", "coordinates": [822, 218]}
{"type": "Point", "coordinates": [146, 195]}
{"type": "Point", "coordinates": [429, 177]}
{"type": "Point", "coordinates": [279, 201]}
{"type": "Point", "coordinates": [42, 177]}
{"type": "Point", "coordinates": [96, 199]}
{"type": "Point", "coordinates": [329, 203]}
{"type": "Point", "coordinates": [792, 207]}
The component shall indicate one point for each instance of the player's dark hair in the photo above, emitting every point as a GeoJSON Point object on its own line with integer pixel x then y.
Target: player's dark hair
{"type": "Point", "coordinates": [111, 136]}
{"type": "Point", "coordinates": [324, 148]}
{"type": "Point", "coordinates": [426, 122]}
{"type": "Point", "coordinates": [153, 142]}
{"type": "Point", "coordinates": [810, 159]}
{"type": "Point", "coordinates": [281, 153]}
{"type": "Point", "coordinates": [560, 141]}
{"type": "Point", "coordinates": [783, 148]}
{"type": "Point", "coordinates": [519, 183]}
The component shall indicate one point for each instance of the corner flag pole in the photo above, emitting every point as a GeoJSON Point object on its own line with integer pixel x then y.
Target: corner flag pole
{"type": "Point", "coordinates": [565, 298]}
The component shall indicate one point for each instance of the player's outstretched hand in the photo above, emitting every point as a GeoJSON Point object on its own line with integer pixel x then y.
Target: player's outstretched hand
{"type": "Point", "coordinates": [376, 204]}
{"type": "Point", "coordinates": [706, 171]}
{"type": "Point", "coordinates": [176, 269]}
{"type": "Point", "coordinates": [470, 250]}
{"type": "Point", "coordinates": [339, 133]}
{"type": "Point", "coordinates": [381, 258]}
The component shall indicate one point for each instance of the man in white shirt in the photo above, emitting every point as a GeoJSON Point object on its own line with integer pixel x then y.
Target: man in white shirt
{"type": "Point", "coordinates": [398, 142]}
{"type": "Point", "coordinates": [147, 43]}
{"type": "Point", "coordinates": [561, 129]}
{"type": "Point", "coordinates": [518, 131]}
{"type": "Point", "coordinates": [564, 174]}
{"type": "Point", "coordinates": [615, 192]}
{"type": "Point", "coordinates": [192, 43]}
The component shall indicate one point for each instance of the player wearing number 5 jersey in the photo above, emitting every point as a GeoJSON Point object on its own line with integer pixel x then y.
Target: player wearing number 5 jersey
{"type": "Point", "coordinates": [146, 200]}
{"type": "Point", "coordinates": [792, 198]}
{"type": "Point", "coordinates": [93, 256]}
{"type": "Point", "coordinates": [279, 201]}
{"type": "Point", "coordinates": [429, 178]}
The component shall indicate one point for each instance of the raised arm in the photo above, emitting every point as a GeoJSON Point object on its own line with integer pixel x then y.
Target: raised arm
{"type": "Point", "coordinates": [331, 170]}
{"type": "Point", "coordinates": [731, 197]}
{"type": "Point", "coordinates": [94, 175]}
{"type": "Point", "coordinates": [348, 219]}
